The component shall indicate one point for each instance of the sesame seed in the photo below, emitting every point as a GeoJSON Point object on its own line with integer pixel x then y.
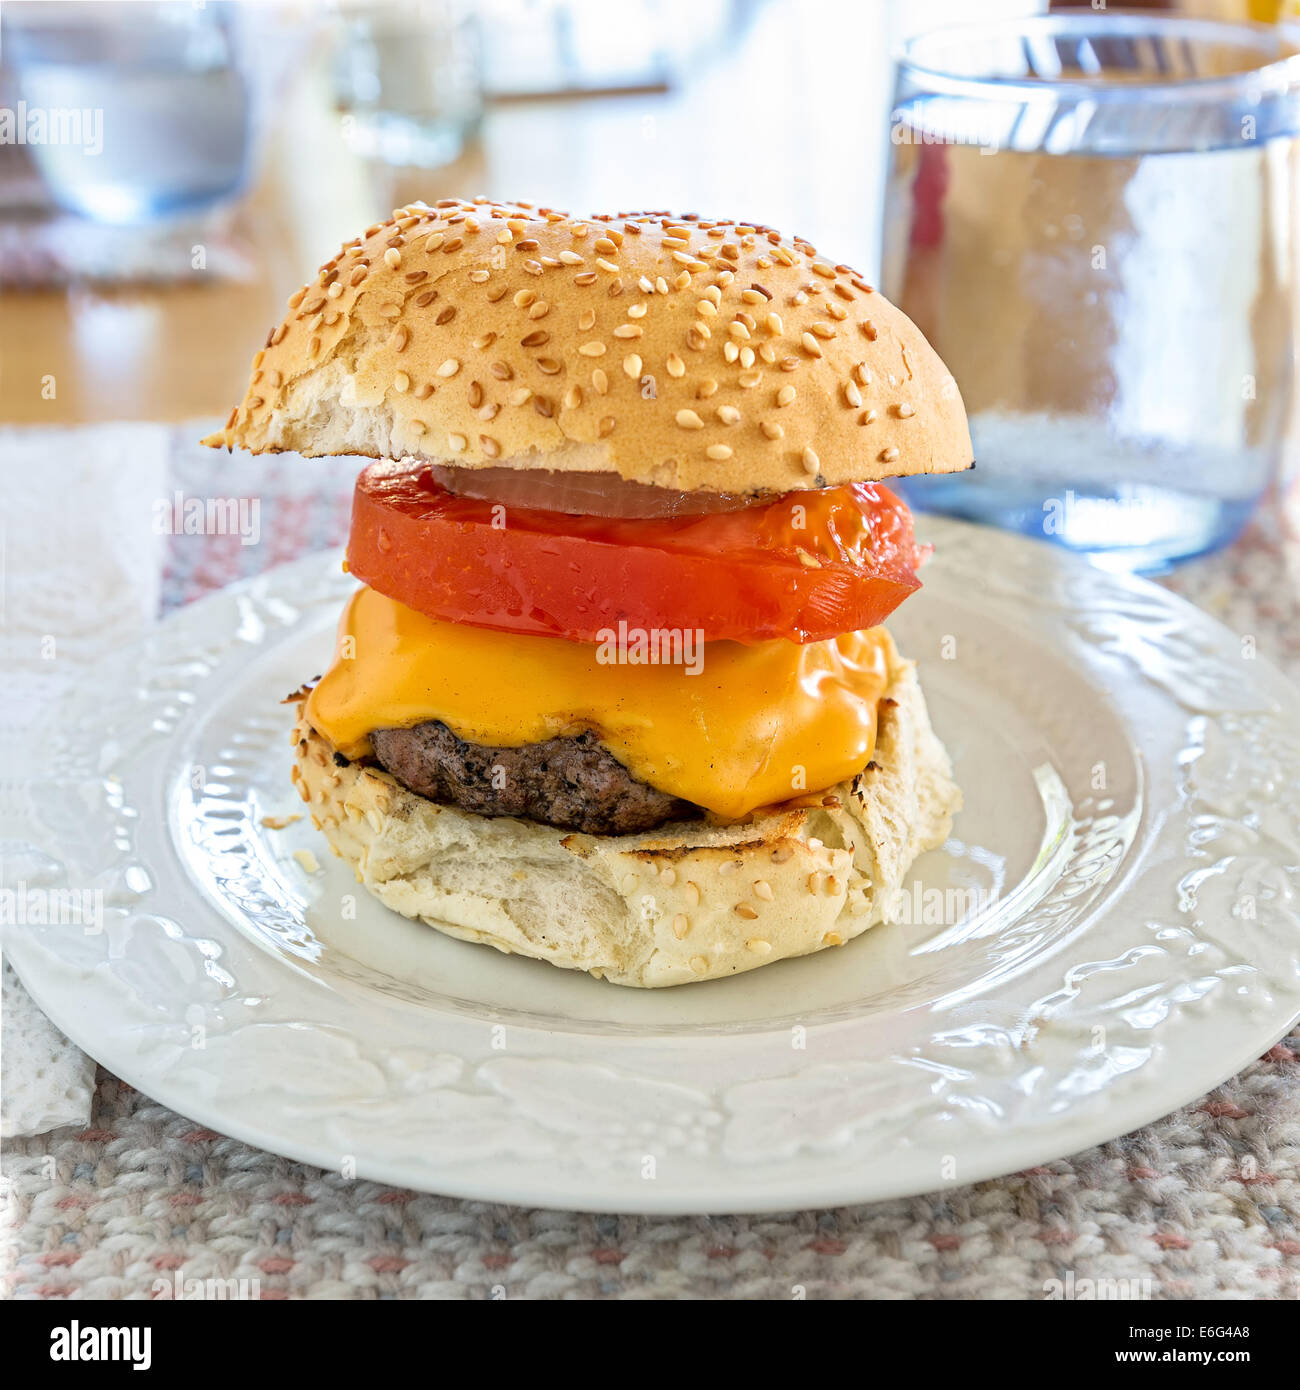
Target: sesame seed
{"type": "Point", "coordinates": [446, 315]}
{"type": "Point", "coordinates": [785, 396]}
{"type": "Point", "coordinates": [592, 349]}
{"type": "Point", "coordinates": [814, 884]}
{"type": "Point", "coordinates": [707, 307]}
{"type": "Point", "coordinates": [503, 371]}
{"type": "Point", "coordinates": [456, 442]}
{"type": "Point", "coordinates": [763, 889]}
{"type": "Point", "coordinates": [689, 420]}
{"type": "Point", "coordinates": [825, 271]}
{"type": "Point", "coordinates": [823, 329]}
{"type": "Point", "coordinates": [747, 357]}
{"type": "Point", "coordinates": [832, 884]}
{"type": "Point", "coordinates": [423, 391]}
{"type": "Point", "coordinates": [401, 336]}
{"type": "Point", "coordinates": [401, 382]}
{"type": "Point", "coordinates": [904, 411]}
{"type": "Point", "coordinates": [548, 365]}
{"type": "Point", "coordinates": [888, 455]}
{"type": "Point", "coordinates": [869, 329]}
{"type": "Point", "coordinates": [539, 310]}
{"type": "Point", "coordinates": [475, 395]}
{"type": "Point", "coordinates": [605, 428]}
{"type": "Point", "coordinates": [681, 925]}
{"type": "Point", "coordinates": [730, 351]}
{"type": "Point", "coordinates": [537, 338]}
{"type": "Point", "coordinates": [573, 397]}
{"type": "Point", "coordinates": [636, 311]}
{"type": "Point", "coordinates": [661, 285]}
{"type": "Point", "coordinates": [632, 365]}
{"type": "Point", "coordinates": [811, 345]}
{"type": "Point", "coordinates": [862, 374]}
{"type": "Point", "coordinates": [676, 367]}
{"type": "Point", "coordinates": [683, 281]}
{"type": "Point", "coordinates": [832, 938]}
{"type": "Point", "coordinates": [744, 910]}
{"type": "Point", "coordinates": [519, 396]}
{"type": "Point", "coordinates": [480, 277]}
{"type": "Point", "coordinates": [599, 381]}
{"type": "Point", "coordinates": [749, 380]}
{"type": "Point", "coordinates": [588, 277]}
{"type": "Point", "coordinates": [699, 964]}
{"type": "Point", "coordinates": [759, 946]}
{"type": "Point", "coordinates": [695, 340]}
{"type": "Point", "coordinates": [811, 463]}
{"type": "Point", "coordinates": [449, 368]}
{"type": "Point", "coordinates": [729, 415]}
{"type": "Point", "coordinates": [490, 447]}
{"type": "Point", "coordinates": [718, 451]}
{"type": "Point", "coordinates": [434, 240]}
{"type": "Point", "coordinates": [542, 405]}
{"type": "Point", "coordinates": [771, 429]}
{"type": "Point", "coordinates": [852, 395]}
{"type": "Point", "coordinates": [692, 894]}
{"type": "Point", "coordinates": [628, 330]}
{"type": "Point", "coordinates": [705, 389]}
{"type": "Point", "coordinates": [607, 265]}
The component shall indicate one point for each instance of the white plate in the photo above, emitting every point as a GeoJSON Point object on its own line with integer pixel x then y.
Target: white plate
{"type": "Point", "coordinates": [1130, 833]}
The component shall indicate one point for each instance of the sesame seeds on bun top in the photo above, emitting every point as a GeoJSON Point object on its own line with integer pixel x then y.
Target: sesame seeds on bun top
{"type": "Point", "coordinates": [680, 351]}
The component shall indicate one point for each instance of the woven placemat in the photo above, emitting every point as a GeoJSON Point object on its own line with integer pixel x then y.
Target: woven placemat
{"type": "Point", "coordinates": [1203, 1204]}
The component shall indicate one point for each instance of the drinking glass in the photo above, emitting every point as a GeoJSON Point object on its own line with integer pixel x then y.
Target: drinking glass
{"type": "Point", "coordinates": [132, 112]}
{"type": "Point", "coordinates": [408, 79]}
{"type": "Point", "coordinates": [1092, 219]}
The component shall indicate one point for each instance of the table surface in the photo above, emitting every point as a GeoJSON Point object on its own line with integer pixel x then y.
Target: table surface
{"type": "Point", "coordinates": [1203, 1204]}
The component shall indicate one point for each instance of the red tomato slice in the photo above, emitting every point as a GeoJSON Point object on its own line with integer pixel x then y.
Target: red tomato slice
{"type": "Point", "coordinates": [805, 566]}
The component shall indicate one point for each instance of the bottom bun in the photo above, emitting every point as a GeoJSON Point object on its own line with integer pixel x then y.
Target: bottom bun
{"type": "Point", "coordinates": [681, 903]}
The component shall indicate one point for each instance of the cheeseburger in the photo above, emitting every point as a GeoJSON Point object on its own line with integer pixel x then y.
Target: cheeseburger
{"type": "Point", "coordinates": [614, 691]}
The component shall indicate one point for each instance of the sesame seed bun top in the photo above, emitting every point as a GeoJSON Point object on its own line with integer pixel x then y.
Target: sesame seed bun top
{"type": "Point", "coordinates": [680, 351]}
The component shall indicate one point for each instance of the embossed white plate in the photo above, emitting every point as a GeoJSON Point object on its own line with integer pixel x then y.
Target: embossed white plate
{"type": "Point", "coordinates": [1113, 928]}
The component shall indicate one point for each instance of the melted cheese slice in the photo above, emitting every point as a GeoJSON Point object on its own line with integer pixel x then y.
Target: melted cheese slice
{"type": "Point", "coordinates": [757, 725]}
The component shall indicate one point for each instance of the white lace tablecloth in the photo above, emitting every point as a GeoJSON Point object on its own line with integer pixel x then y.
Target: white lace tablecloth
{"type": "Point", "coordinates": [127, 1197]}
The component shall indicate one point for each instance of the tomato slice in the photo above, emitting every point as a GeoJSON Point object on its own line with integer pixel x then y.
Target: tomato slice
{"type": "Point", "coordinates": [806, 566]}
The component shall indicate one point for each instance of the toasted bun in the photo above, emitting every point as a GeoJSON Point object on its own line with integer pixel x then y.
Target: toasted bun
{"type": "Point", "coordinates": [671, 906]}
{"type": "Point", "coordinates": [681, 352]}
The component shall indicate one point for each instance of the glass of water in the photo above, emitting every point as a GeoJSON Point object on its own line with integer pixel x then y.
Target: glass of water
{"type": "Point", "coordinates": [133, 113]}
{"type": "Point", "coordinates": [1092, 218]}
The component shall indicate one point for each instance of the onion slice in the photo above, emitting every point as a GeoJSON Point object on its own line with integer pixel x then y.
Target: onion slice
{"type": "Point", "coordinates": [582, 494]}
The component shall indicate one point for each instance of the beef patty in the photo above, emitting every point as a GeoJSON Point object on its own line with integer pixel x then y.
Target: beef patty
{"type": "Point", "coordinates": [572, 783]}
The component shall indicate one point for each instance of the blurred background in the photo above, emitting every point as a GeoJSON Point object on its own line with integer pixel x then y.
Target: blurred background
{"type": "Point", "coordinates": [1097, 230]}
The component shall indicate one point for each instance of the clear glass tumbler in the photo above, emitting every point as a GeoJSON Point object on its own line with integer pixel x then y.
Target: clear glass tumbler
{"type": "Point", "coordinates": [133, 112]}
{"type": "Point", "coordinates": [1092, 218]}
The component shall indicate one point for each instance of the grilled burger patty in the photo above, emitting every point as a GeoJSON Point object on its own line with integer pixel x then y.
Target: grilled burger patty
{"type": "Point", "coordinates": [572, 783]}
